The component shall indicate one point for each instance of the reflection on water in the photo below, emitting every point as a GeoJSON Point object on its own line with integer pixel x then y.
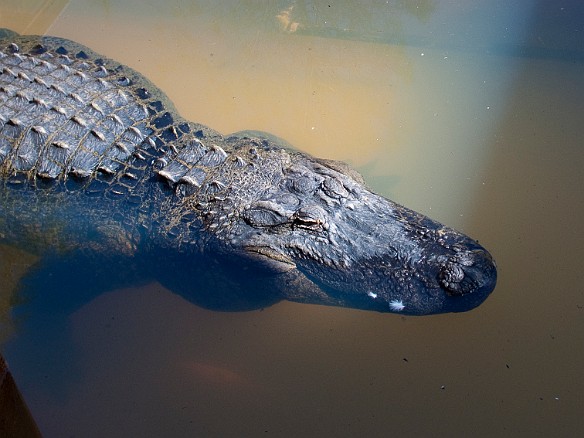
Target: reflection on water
{"type": "Point", "coordinates": [380, 23]}
{"type": "Point", "coordinates": [466, 111]}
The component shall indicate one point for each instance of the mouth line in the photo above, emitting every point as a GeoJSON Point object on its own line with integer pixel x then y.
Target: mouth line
{"type": "Point", "coordinates": [265, 255]}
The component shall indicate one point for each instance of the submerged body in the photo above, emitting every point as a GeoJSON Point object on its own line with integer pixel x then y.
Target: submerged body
{"type": "Point", "coordinates": [94, 160]}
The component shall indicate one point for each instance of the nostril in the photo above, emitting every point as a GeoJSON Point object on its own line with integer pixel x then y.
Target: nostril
{"type": "Point", "coordinates": [453, 279]}
{"type": "Point", "coordinates": [466, 272]}
{"type": "Point", "coordinates": [452, 273]}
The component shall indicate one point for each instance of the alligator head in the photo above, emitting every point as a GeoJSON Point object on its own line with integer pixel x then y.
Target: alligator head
{"type": "Point", "coordinates": [338, 243]}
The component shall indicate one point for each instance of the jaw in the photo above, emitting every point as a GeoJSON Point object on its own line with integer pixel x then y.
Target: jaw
{"type": "Point", "coordinates": [269, 259]}
{"type": "Point", "coordinates": [414, 297]}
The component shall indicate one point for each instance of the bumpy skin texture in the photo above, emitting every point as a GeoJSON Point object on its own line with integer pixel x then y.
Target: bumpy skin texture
{"type": "Point", "coordinates": [94, 159]}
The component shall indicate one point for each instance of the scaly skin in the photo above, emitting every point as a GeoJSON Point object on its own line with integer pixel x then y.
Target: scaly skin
{"type": "Point", "coordinates": [95, 159]}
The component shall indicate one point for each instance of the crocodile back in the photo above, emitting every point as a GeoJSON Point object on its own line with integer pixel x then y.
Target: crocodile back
{"type": "Point", "coordinates": [66, 112]}
{"type": "Point", "coordinates": [79, 133]}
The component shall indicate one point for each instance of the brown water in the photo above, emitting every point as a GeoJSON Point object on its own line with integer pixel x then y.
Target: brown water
{"type": "Point", "coordinates": [468, 111]}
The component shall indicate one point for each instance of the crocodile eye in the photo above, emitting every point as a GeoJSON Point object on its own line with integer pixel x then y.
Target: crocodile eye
{"type": "Point", "coordinates": [309, 218]}
{"type": "Point", "coordinates": [266, 214]}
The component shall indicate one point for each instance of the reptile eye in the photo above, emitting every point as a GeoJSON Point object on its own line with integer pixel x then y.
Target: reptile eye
{"type": "Point", "coordinates": [309, 218]}
{"type": "Point", "coordinates": [308, 224]}
{"type": "Point", "coordinates": [263, 214]}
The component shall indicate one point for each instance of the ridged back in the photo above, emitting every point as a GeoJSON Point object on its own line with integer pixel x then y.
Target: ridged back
{"type": "Point", "coordinates": [67, 113]}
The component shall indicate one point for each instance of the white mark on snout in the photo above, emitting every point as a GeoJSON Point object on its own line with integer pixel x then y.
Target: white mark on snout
{"type": "Point", "coordinates": [397, 305]}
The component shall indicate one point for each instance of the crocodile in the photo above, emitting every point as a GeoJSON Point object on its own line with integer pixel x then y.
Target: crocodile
{"type": "Point", "coordinates": [96, 162]}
